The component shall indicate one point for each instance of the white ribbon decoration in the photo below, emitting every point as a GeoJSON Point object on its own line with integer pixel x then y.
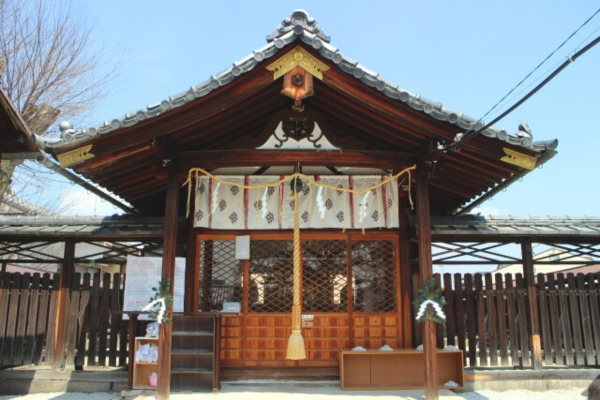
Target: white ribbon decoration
{"type": "Point", "coordinates": [161, 311]}
{"type": "Point", "coordinates": [436, 307]}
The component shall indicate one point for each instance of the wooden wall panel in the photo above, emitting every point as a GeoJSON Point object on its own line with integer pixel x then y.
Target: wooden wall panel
{"type": "Point", "coordinates": [372, 331]}
{"type": "Point", "coordinates": [261, 340]}
{"type": "Point", "coordinates": [231, 340]}
{"type": "Point", "coordinates": [330, 333]}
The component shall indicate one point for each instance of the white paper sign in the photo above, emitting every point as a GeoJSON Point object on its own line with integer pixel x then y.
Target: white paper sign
{"type": "Point", "coordinates": [242, 247]}
{"type": "Point", "coordinates": [144, 273]}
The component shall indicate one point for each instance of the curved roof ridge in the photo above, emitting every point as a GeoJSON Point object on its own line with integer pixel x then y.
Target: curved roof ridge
{"type": "Point", "coordinates": [298, 25]}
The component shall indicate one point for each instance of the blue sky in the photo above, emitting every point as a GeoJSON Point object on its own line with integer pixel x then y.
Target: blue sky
{"type": "Point", "coordinates": [463, 54]}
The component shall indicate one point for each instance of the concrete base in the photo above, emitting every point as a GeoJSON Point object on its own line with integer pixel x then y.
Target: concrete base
{"type": "Point", "coordinates": [21, 381]}
{"type": "Point", "coordinates": [37, 380]}
{"type": "Point", "coordinates": [500, 380]}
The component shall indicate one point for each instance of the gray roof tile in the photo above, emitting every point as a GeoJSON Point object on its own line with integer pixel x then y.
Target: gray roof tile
{"type": "Point", "coordinates": [301, 25]}
{"type": "Point", "coordinates": [580, 227]}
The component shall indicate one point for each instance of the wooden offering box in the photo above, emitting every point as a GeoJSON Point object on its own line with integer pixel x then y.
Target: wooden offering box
{"type": "Point", "coordinates": [397, 369]}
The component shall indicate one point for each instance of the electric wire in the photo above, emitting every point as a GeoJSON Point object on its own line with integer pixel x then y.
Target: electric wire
{"type": "Point", "coordinates": [467, 135]}
{"type": "Point", "coordinates": [526, 97]}
{"type": "Point", "coordinates": [542, 63]}
{"type": "Point", "coordinates": [546, 72]}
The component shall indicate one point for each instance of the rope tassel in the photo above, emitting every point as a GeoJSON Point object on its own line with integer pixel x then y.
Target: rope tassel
{"type": "Point", "coordinates": [295, 350]}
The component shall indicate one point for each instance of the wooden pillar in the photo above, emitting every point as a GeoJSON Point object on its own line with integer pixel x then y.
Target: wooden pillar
{"type": "Point", "coordinates": [532, 307]}
{"type": "Point", "coordinates": [406, 297]}
{"type": "Point", "coordinates": [426, 272]}
{"type": "Point", "coordinates": [3, 267]}
{"type": "Point", "coordinates": [168, 271]}
{"type": "Point", "coordinates": [66, 277]}
{"type": "Point", "coordinates": [191, 265]}
{"type": "Point", "coordinates": [133, 319]}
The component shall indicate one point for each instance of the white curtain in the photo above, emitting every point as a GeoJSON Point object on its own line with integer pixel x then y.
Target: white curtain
{"type": "Point", "coordinates": [224, 206]}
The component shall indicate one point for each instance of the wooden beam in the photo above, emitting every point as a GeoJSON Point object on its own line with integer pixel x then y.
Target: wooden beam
{"type": "Point", "coordinates": [334, 171]}
{"type": "Point", "coordinates": [252, 158]}
{"type": "Point", "coordinates": [532, 308]}
{"type": "Point", "coordinates": [168, 271]}
{"type": "Point", "coordinates": [261, 171]}
{"type": "Point", "coordinates": [405, 297]}
{"type": "Point", "coordinates": [426, 272]}
{"type": "Point", "coordinates": [111, 157]}
{"type": "Point", "coordinates": [66, 276]}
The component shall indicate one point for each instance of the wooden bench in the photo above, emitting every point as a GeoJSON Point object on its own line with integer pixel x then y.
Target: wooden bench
{"type": "Point", "coordinates": [397, 369]}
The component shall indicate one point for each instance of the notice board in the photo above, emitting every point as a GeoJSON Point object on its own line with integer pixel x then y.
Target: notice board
{"type": "Point", "coordinates": [144, 273]}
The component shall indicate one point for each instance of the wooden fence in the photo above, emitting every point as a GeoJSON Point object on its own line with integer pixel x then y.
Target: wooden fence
{"type": "Point", "coordinates": [487, 318]}
{"type": "Point", "coordinates": [94, 335]}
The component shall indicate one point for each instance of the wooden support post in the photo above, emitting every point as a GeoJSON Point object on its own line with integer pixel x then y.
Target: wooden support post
{"type": "Point", "coordinates": [191, 265]}
{"type": "Point", "coordinates": [426, 272]}
{"type": "Point", "coordinates": [3, 267]}
{"type": "Point", "coordinates": [168, 271]}
{"type": "Point", "coordinates": [532, 307]}
{"type": "Point", "coordinates": [133, 319]}
{"type": "Point", "coordinates": [406, 297]}
{"type": "Point", "coordinates": [66, 276]}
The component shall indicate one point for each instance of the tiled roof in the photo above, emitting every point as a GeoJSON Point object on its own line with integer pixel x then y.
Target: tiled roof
{"type": "Point", "coordinates": [575, 227]}
{"type": "Point", "coordinates": [81, 227]}
{"type": "Point", "coordinates": [300, 26]}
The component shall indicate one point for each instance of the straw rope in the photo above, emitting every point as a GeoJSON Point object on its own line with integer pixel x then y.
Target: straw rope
{"type": "Point", "coordinates": [296, 349]}
{"type": "Point", "coordinates": [288, 178]}
{"type": "Point", "coordinates": [296, 254]}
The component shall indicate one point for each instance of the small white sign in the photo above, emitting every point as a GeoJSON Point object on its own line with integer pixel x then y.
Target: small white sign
{"type": "Point", "coordinates": [307, 320]}
{"type": "Point", "coordinates": [242, 247]}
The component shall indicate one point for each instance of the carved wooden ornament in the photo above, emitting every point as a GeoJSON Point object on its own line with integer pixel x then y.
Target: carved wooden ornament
{"type": "Point", "coordinates": [298, 58]}
{"type": "Point", "coordinates": [519, 159]}
{"type": "Point", "coordinates": [76, 156]}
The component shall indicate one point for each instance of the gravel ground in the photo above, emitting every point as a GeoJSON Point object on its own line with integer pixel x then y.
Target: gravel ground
{"type": "Point", "coordinates": [321, 394]}
{"type": "Point", "coordinates": [580, 394]}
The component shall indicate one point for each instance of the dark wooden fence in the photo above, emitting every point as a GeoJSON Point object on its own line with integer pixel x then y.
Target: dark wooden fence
{"type": "Point", "coordinates": [94, 336]}
{"type": "Point", "coordinates": [487, 318]}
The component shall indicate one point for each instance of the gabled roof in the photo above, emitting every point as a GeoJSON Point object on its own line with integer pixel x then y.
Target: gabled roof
{"type": "Point", "coordinates": [299, 27]}
{"type": "Point", "coordinates": [222, 121]}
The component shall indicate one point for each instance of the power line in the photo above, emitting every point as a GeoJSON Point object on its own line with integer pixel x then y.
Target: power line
{"type": "Point", "coordinates": [531, 93]}
{"type": "Point", "coordinates": [467, 135]}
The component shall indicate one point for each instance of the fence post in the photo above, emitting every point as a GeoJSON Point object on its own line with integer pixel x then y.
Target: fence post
{"type": "Point", "coordinates": [66, 275]}
{"type": "Point", "coordinates": [532, 308]}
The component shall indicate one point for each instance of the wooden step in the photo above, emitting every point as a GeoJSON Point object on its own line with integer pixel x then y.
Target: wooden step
{"type": "Point", "coordinates": [230, 373]}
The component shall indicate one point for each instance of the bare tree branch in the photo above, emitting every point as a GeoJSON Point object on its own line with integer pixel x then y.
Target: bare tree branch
{"type": "Point", "coordinates": [49, 67]}
{"type": "Point", "coordinates": [49, 60]}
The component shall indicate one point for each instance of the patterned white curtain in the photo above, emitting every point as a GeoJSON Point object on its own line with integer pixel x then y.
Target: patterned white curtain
{"type": "Point", "coordinates": [224, 206]}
